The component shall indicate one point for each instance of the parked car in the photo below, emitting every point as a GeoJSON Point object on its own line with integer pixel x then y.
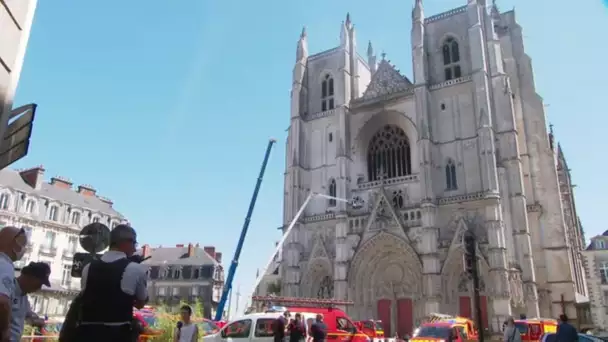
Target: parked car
{"type": "Point", "coordinates": [552, 337]}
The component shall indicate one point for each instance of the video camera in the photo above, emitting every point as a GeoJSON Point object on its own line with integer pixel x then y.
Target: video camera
{"type": "Point", "coordinates": [95, 238]}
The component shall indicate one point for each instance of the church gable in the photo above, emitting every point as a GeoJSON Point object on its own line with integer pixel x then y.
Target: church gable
{"type": "Point", "coordinates": [386, 81]}
{"type": "Point", "coordinates": [383, 216]}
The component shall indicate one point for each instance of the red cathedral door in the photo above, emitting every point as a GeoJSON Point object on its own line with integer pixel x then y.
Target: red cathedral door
{"type": "Point", "coordinates": [484, 310]}
{"type": "Point", "coordinates": [384, 314]}
{"type": "Point", "coordinates": [465, 306]}
{"type": "Point", "coordinates": [405, 316]}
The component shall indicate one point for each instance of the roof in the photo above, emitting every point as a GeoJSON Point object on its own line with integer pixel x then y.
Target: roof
{"type": "Point", "coordinates": [386, 81]}
{"type": "Point", "coordinates": [12, 179]}
{"type": "Point", "coordinates": [178, 256]}
{"type": "Point", "coordinates": [592, 246]}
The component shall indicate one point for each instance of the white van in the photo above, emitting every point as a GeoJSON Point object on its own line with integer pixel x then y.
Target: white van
{"type": "Point", "coordinates": [255, 327]}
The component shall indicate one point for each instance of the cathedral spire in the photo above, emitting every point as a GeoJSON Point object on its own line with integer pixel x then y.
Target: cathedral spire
{"type": "Point", "coordinates": [348, 22]}
{"type": "Point", "coordinates": [418, 11]}
{"type": "Point", "coordinates": [302, 50]}
{"type": "Point", "coordinates": [344, 40]}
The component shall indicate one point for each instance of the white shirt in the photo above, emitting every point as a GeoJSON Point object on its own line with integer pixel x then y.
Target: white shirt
{"type": "Point", "coordinates": [21, 311]}
{"type": "Point", "coordinates": [186, 333]}
{"type": "Point", "coordinates": [134, 279]}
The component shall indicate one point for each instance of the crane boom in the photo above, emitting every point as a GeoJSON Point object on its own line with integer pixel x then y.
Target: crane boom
{"type": "Point", "coordinates": [237, 253]}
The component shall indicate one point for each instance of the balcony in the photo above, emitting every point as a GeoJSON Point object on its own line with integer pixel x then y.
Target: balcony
{"type": "Point", "coordinates": [68, 254]}
{"type": "Point", "coordinates": [48, 250]}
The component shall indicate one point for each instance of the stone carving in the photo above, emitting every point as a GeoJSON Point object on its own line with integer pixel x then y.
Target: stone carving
{"type": "Point", "coordinates": [531, 292]}
{"type": "Point", "coordinates": [318, 249]}
{"type": "Point", "coordinates": [463, 283]}
{"type": "Point", "coordinates": [386, 81]}
{"type": "Point", "coordinates": [482, 285]}
{"type": "Point", "coordinates": [326, 288]}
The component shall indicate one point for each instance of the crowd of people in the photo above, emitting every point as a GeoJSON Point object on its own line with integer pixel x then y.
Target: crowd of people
{"type": "Point", "coordinates": [295, 329]}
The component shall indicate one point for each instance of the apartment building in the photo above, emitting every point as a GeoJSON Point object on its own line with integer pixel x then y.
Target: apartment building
{"type": "Point", "coordinates": [52, 213]}
{"type": "Point", "coordinates": [596, 269]}
{"type": "Point", "coordinates": [185, 273]}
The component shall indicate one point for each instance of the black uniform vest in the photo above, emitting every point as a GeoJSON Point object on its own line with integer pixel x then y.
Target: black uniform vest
{"type": "Point", "coordinates": [103, 300]}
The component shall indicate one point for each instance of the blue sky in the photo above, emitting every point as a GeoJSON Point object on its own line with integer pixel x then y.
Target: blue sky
{"type": "Point", "coordinates": [166, 107]}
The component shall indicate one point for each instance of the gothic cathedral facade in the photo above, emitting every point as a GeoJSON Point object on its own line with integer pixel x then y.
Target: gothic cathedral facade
{"type": "Point", "coordinates": [461, 147]}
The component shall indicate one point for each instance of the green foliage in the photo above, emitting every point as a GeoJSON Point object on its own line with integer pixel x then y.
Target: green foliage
{"type": "Point", "coordinates": [168, 316]}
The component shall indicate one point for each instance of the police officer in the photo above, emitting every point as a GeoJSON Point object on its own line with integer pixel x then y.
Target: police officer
{"type": "Point", "coordinates": [111, 287]}
{"type": "Point", "coordinates": [31, 279]}
{"type": "Point", "coordinates": [13, 242]}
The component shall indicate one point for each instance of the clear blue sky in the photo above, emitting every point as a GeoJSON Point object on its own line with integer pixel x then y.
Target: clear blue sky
{"type": "Point", "coordinates": [166, 106]}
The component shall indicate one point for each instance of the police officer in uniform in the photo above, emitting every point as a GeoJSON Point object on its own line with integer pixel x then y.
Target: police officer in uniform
{"type": "Point", "coordinates": [111, 287]}
{"type": "Point", "coordinates": [13, 242]}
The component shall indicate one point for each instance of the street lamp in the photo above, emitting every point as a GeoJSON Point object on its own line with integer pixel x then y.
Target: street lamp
{"type": "Point", "coordinates": [355, 204]}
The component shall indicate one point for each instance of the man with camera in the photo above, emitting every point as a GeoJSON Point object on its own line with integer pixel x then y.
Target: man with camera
{"type": "Point", "coordinates": [111, 287]}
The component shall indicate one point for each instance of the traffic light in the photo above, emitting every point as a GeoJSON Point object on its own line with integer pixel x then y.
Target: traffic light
{"type": "Point", "coordinates": [470, 254]}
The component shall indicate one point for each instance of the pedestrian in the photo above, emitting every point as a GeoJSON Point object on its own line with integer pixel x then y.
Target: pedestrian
{"type": "Point", "coordinates": [566, 332]}
{"type": "Point", "coordinates": [31, 279]}
{"type": "Point", "coordinates": [279, 326]}
{"type": "Point", "coordinates": [111, 287]}
{"type": "Point", "coordinates": [296, 329]}
{"type": "Point", "coordinates": [186, 331]}
{"type": "Point", "coordinates": [13, 242]}
{"type": "Point", "coordinates": [511, 333]}
{"type": "Point", "coordinates": [318, 330]}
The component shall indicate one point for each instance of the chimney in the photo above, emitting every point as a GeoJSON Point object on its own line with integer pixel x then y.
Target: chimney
{"type": "Point", "coordinates": [180, 245]}
{"type": "Point", "coordinates": [86, 190]}
{"type": "Point", "coordinates": [191, 250]}
{"type": "Point", "coordinates": [33, 176]}
{"type": "Point", "coordinates": [61, 182]}
{"type": "Point", "coordinates": [106, 200]}
{"type": "Point", "coordinates": [210, 250]}
{"type": "Point", "coordinates": [218, 257]}
{"type": "Point", "coordinates": [145, 251]}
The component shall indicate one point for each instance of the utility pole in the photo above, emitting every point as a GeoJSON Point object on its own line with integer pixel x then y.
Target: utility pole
{"type": "Point", "coordinates": [471, 267]}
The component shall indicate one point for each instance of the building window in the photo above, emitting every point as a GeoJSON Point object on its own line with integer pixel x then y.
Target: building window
{"type": "Point", "coordinates": [388, 154]}
{"type": "Point", "coordinates": [175, 291]}
{"type": "Point", "coordinates": [451, 59]}
{"type": "Point", "coordinates": [76, 218]}
{"type": "Point", "coordinates": [53, 212]}
{"type": "Point", "coordinates": [96, 219]}
{"type": "Point", "coordinates": [450, 175]}
{"type": "Point", "coordinates": [327, 93]}
{"type": "Point", "coordinates": [72, 244]}
{"type": "Point", "coordinates": [332, 192]}
{"type": "Point", "coordinates": [398, 199]}
{"type": "Point", "coordinates": [66, 275]}
{"type": "Point", "coordinates": [29, 206]}
{"type": "Point", "coordinates": [4, 200]}
{"type": "Point", "coordinates": [49, 240]}
{"type": "Point", "coordinates": [114, 224]}
{"type": "Point", "coordinates": [600, 244]}
{"type": "Point", "coordinates": [177, 273]}
{"type": "Point", "coordinates": [194, 290]}
{"type": "Point", "coordinates": [196, 273]}
{"type": "Point", "coordinates": [604, 272]}
{"type": "Point", "coordinates": [162, 291]}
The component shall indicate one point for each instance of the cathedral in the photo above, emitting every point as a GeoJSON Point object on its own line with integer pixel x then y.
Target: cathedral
{"type": "Point", "coordinates": [461, 146]}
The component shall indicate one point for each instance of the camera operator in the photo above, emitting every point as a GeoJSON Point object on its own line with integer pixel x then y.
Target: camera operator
{"type": "Point", "coordinates": [111, 287]}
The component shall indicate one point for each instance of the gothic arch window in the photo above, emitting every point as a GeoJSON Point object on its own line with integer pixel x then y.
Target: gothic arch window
{"type": "Point", "coordinates": [388, 154]}
{"type": "Point", "coordinates": [450, 175]}
{"type": "Point", "coordinates": [327, 93]}
{"type": "Point", "coordinates": [4, 201]}
{"type": "Point", "coordinates": [332, 192]}
{"type": "Point", "coordinates": [451, 59]}
{"type": "Point", "coordinates": [326, 288]}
